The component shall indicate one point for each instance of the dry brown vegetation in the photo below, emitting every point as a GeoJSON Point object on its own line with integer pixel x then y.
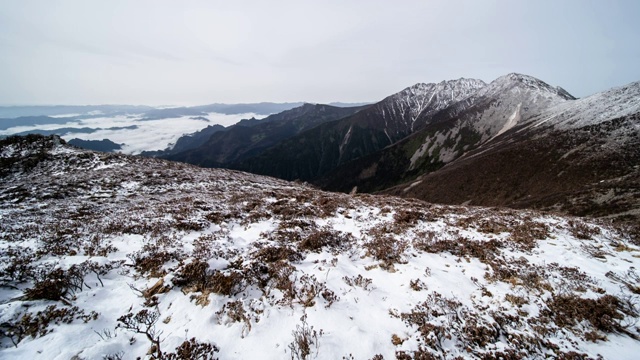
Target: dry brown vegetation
{"type": "Point", "coordinates": [164, 204]}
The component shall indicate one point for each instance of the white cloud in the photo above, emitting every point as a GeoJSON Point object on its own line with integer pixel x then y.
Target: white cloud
{"type": "Point", "coordinates": [148, 136]}
{"type": "Point", "coordinates": [154, 134]}
{"type": "Point", "coordinates": [196, 52]}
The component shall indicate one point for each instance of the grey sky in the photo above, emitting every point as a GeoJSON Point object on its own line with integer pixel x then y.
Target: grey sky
{"type": "Point", "coordinates": [197, 52]}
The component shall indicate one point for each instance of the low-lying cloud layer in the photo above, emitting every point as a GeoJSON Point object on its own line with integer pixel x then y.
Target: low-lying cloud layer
{"type": "Point", "coordinates": [137, 135]}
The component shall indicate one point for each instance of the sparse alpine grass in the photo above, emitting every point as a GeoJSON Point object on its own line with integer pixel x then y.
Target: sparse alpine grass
{"type": "Point", "coordinates": [111, 256]}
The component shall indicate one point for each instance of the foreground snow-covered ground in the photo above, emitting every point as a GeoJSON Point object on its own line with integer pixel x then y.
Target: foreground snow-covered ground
{"type": "Point", "coordinates": [111, 256]}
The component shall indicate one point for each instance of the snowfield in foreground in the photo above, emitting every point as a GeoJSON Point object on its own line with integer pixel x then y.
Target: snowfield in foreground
{"type": "Point", "coordinates": [119, 257]}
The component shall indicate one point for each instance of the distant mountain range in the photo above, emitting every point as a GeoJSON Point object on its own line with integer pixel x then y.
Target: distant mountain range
{"type": "Point", "coordinates": [264, 108]}
{"type": "Point", "coordinates": [11, 116]}
{"type": "Point", "coordinates": [516, 141]}
{"type": "Point", "coordinates": [251, 137]}
{"type": "Point", "coordinates": [43, 114]}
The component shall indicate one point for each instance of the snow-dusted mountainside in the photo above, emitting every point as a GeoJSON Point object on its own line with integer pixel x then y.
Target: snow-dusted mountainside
{"type": "Point", "coordinates": [611, 104]}
{"type": "Point", "coordinates": [402, 110]}
{"type": "Point", "coordinates": [580, 157]}
{"type": "Point", "coordinates": [118, 257]}
{"type": "Point", "coordinates": [315, 152]}
{"type": "Point", "coordinates": [489, 112]}
{"type": "Point", "coordinates": [450, 132]}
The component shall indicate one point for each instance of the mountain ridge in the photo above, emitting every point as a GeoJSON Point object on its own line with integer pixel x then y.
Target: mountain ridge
{"type": "Point", "coordinates": [449, 133]}
{"type": "Point", "coordinates": [248, 138]}
{"type": "Point", "coordinates": [319, 150]}
{"type": "Point", "coordinates": [578, 157]}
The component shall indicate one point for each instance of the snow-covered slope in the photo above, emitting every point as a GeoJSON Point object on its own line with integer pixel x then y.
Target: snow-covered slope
{"type": "Point", "coordinates": [479, 118]}
{"type": "Point", "coordinates": [614, 103]}
{"type": "Point", "coordinates": [576, 156]}
{"type": "Point", "coordinates": [110, 256]}
{"type": "Point", "coordinates": [422, 99]}
{"type": "Point", "coordinates": [491, 111]}
{"type": "Point", "coordinates": [403, 113]}
{"type": "Point", "coordinates": [449, 132]}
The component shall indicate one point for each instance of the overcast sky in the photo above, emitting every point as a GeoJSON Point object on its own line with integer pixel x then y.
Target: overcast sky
{"type": "Point", "coordinates": [198, 52]}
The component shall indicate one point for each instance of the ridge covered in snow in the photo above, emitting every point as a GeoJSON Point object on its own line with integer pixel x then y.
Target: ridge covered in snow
{"type": "Point", "coordinates": [521, 81]}
{"type": "Point", "coordinates": [119, 257]}
{"type": "Point", "coordinates": [425, 99]}
{"type": "Point", "coordinates": [614, 103]}
{"type": "Point", "coordinates": [487, 113]}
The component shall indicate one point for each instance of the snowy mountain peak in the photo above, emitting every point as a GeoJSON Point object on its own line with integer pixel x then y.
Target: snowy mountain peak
{"type": "Point", "coordinates": [527, 83]}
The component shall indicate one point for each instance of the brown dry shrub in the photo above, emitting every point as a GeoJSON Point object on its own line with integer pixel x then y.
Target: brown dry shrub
{"type": "Point", "coordinates": [396, 340]}
{"type": "Point", "coordinates": [326, 236]}
{"type": "Point", "coordinates": [290, 209]}
{"type": "Point", "coordinates": [97, 246]}
{"type": "Point", "coordinates": [582, 231]}
{"type": "Point", "coordinates": [158, 288]}
{"type": "Point", "coordinates": [359, 280]}
{"type": "Point", "coordinates": [524, 236]}
{"type": "Point", "coordinates": [310, 289]}
{"type": "Point", "coordinates": [420, 354]}
{"type": "Point", "coordinates": [571, 355]}
{"type": "Point", "coordinates": [203, 247]}
{"type": "Point", "coordinates": [194, 276]}
{"type": "Point", "coordinates": [518, 272]}
{"type": "Point", "coordinates": [508, 354]}
{"type": "Point", "coordinates": [190, 225]}
{"type": "Point", "coordinates": [150, 263]}
{"type": "Point", "coordinates": [478, 332]}
{"type": "Point", "coordinates": [417, 285]}
{"type": "Point", "coordinates": [218, 217]}
{"type": "Point", "coordinates": [295, 224]}
{"type": "Point", "coordinates": [17, 264]}
{"type": "Point", "coordinates": [51, 284]}
{"type": "Point", "coordinates": [229, 284]}
{"type": "Point", "coordinates": [328, 205]}
{"type": "Point", "coordinates": [516, 300]}
{"type": "Point", "coordinates": [305, 341]}
{"type": "Point", "coordinates": [463, 247]}
{"type": "Point", "coordinates": [386, 247]}
{"type": "Point", "coordinates": [602, 314]}
{"type": "Point", "coordinates": [407, 217]}
{"type": "Point", "coordinates": [630, 279]}
{"type": "Point", "coordinates": [572, 276]}
{"type": "Point", "coordinates": [234, 311]}
{"type": "Point", "coordinates": [154, 254]}
{"type": "Point", "coordinates": [279, 276]}
{"type": "Point", "coordinates": [492, 226]}
{"type": "Point", "coordinates": [270, 254]}
{"type": "Point", "coordinates": [193, 349]}
{"type": "Point", "coordinates": [286, 236]}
